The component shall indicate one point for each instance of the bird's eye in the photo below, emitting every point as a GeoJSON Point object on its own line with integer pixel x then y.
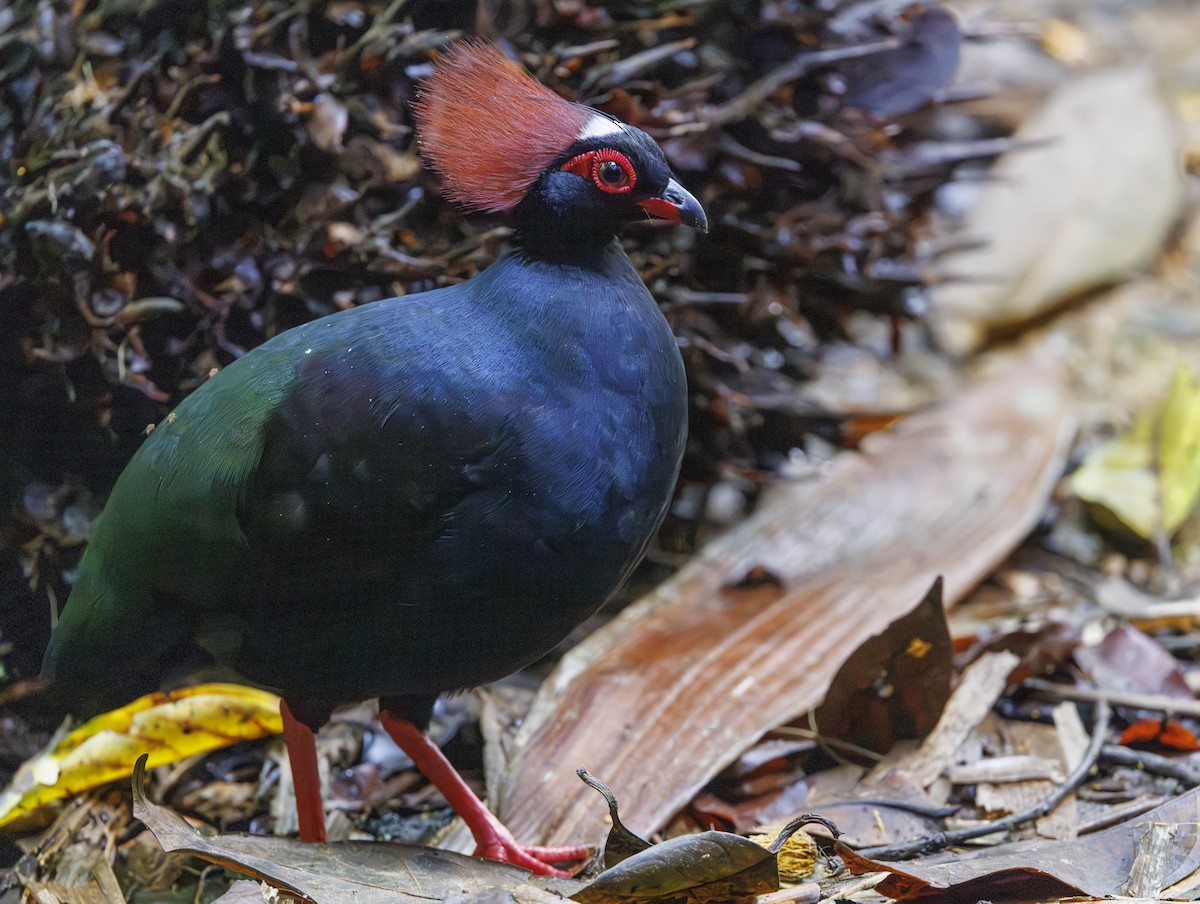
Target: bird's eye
{"type": "Point", "coordinates": [613, 172]}
{"type": "Point", "coordinates": [610, 174]}
{"type": "Point", "coordinates": [609, 170]}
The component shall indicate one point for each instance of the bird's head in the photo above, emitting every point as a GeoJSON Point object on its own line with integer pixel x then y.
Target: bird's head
{"type": "Point", "coordinates": [572, 175]}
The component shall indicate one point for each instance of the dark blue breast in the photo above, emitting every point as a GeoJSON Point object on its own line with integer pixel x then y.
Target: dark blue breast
{"type": "Point", "coordinates": [458, 479]}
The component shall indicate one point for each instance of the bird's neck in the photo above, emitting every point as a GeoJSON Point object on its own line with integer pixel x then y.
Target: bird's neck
{"type": "Point", "coordinates": [551, 227]}
{"type": "Point", "coordinates": [577, 245]}
{"type": "Point", "coordinates": [601, 265]}
{"type": "Point", "coordinates": [554, 297]}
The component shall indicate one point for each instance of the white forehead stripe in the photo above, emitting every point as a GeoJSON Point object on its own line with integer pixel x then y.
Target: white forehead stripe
{"type": "Point", "coordinates": [597, 127]}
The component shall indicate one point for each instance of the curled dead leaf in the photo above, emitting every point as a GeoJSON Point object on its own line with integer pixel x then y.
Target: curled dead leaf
{"type": "Point", "coordinates": [621, 843]}
{"type": "Point", "coordinates": [710, 866]}
{"type": "Point", "coordinates": [895, 685]}
{"type": "Point", "coordinates": [167, 726]}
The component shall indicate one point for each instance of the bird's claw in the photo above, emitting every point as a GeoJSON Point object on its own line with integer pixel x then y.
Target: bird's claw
{"type": "Point", "coordinates": [538, 860]}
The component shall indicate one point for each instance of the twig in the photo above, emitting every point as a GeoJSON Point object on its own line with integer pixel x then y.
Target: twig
{"type": "Point", "coordinates": [1000, 31]}
{"type": "Point", "coordinates": [378, 28]}
{"type": "Point", "coordinates": [806, 893]}
{"type": "Point", "coordinates": [1150, 762]}
{"type": "Point", "coordinates": [907, 806]}
{"type": "Point", "coordinates": [1110, 816]}
{"type": "Point", "coordinates": [581, 50]}
{"type": "Point", "coordinates": [844, 888]}
{"type": "Point", "coordinates": [930, 154]}
{"type": "Point", "coordinates": [829, 138]}
{"type": "Point", "coordinates": [1186, 608]}
{"type": "Point", "coordinates": [681, 297]}
{"type": "Point", "coordinates": [1160, 703]}
{"type": "Point", "coordinates": [794, 731]}
{"type": "Point", "coordinates": [623, 71]}
{"type": "Point", "coordinates": [734, 149]}
{"type": "Point", "coordinates": [745, 103]}
{"type": "Point", "coordinates": [942, 840]}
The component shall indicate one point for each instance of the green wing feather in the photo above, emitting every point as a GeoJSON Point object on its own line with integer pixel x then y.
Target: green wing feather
{"type": "Point", "coordinates": [173, 511]}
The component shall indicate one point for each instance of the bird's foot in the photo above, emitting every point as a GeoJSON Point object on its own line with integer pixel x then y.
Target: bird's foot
{"type": "Point", "coordinates": [495, 842]}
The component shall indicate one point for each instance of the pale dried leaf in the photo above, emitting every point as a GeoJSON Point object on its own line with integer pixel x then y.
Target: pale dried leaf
{"type": "Point", "coordinates": [978, 690]}
{"type": "Point", "coordinates": [1153, 860]}
{"type": "Point", "coordinates": [243, 891]}
{"type": "Point", "coordinates": [1088, 207]}
{"type": "Point", "coordinates": [1072, 736]}
{"type": "Point", "coordinates": [1001, 769]}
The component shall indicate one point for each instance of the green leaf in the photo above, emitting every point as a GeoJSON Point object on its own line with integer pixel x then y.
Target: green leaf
{"type": "Point", "coordinates": [1149, 478]}
{"type": "Point", "coordinates": [1179, 450]}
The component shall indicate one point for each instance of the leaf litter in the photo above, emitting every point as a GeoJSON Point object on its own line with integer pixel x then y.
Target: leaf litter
{"type": "Point", "coordinates": [136, 342]}
{"type": "Point", "coordinates": [710, 866]}
{"type": "Point", "coordinates": [341, 871]}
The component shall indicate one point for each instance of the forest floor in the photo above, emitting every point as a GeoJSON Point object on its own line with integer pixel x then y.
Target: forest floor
{"type": "Point", "coordinates": [964, 625]}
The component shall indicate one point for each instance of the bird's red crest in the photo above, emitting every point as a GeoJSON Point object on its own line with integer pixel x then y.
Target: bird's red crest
{"type": "Point", "coordinates": [490, 129]}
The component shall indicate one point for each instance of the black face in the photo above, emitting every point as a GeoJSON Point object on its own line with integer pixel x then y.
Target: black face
{"type": "Point", "coordinates": [600, 183]}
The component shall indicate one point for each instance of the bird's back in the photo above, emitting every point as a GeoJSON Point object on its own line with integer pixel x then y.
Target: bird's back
{"type": "Point", "coordinates": [417, 495]}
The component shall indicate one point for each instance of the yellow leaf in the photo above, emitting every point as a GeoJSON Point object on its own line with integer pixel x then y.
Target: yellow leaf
{"type": "Point", "coordinates": [167, 726]}
{"type": "Point", "coordinates": [1065, 42]}
{"type": "Point", "coordinates": [1150, 477]}
{"type": "Point", "coordinates": [1179, 450]}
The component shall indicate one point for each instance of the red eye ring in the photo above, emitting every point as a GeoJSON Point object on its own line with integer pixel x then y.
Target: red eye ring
{"type": "Point", "coordinates": [609, 156]}
{"type": "Point", "coordinates": [597, 167]}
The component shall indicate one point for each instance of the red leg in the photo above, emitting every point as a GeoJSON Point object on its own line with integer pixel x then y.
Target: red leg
{"type": "Point", "coordinates": [492, 838]}
{"type": "Point", "coordinates": [306, 778]}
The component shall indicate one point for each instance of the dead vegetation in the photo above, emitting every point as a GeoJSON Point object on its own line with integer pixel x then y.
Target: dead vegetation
{"type": "Point", "coordinates": [187, 179]}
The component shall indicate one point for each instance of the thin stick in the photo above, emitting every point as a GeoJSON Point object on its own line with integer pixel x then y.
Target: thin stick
{"type": "Point", "coordinates": [744, 104]}
{"type": "Point", "coordinates": [1150, 762]}
{"type": "Point", "coordinates": [805, 893]}
{"type": "Point", "coordinates": [1156, 702]}
{"type": "Point", "coordinates": [931, 843]}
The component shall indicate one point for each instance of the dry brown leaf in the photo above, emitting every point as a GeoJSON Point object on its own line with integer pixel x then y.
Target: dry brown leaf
{"type": "Point", "coordinates": [346, 871]}
{"type": "Point", "coordinates": [710, 866]}
{"type": "Point", "coordinates": [1100, 864]}
{"type": "Point", "coordinates": [895, 684]}
{"type": "Point", "coordinates": [681, 682]}
{"type": "Point", "coordinates": [1130, 661]}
